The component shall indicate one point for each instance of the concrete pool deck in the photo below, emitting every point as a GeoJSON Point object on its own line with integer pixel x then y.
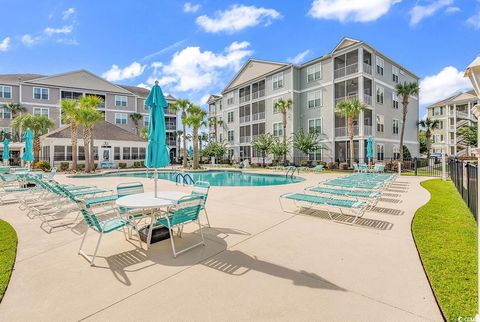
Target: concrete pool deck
{"type": "Point", "coordinates": [259, 263]}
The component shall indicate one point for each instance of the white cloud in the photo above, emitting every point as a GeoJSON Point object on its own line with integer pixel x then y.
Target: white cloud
{"type": "Point", "coordinates": [236, 18]}
{"type": "Point", "coordinates": [116, 73]}
{"type": "Point", "coordinates": [351, 10]}
{"type": "Point", "coordinates": [299, 58]}
{"type": "Point", "coordinates": [419, 12]}
{"type": "Point", "coordinates": [192, 69]}
{"type": "Point", "coordinates": [450, 10]}
{"type": "Point", "coordinates": [68, 13]}
{"type": "Point", "coordinates": [143, 85]}
{"type": "Point", "coordinates": [447, 82]}
{"type": "Point", "coordinates": [474, 21]}
{"type": "Point", "coordinates": [5, 44]}
{"type": "Point", "coordinates": [54, 31]}
{"type": "Point", "coordinates": [29, 41]}
{"type": "Point", "coordinates": [190, 7]}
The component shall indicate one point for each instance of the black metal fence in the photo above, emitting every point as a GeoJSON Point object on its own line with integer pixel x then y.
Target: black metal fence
{"type": "Point", "coordinates": [464, 176]}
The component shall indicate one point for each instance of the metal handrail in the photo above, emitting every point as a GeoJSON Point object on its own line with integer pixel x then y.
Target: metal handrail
{"type": "Point", "coordinates": [184, 178]}
{"type": "Point", "coordinates": [293, 171]}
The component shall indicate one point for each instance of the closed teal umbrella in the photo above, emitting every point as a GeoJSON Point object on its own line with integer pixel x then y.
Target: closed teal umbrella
{"type": "Point", "coordinates": [157, 155]}
{"type": "Point", "coordinates": [28, 154]}
{"type": "Point", "coordinates": [190, 152]}
{"type": "Point", "coordinates": [370, 148]}
{"type": "Point", "coordinates": [6, 151]}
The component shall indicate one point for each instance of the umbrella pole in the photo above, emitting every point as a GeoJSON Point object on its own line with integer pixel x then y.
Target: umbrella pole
{"type": "Point", "coordinates": [156, 180]}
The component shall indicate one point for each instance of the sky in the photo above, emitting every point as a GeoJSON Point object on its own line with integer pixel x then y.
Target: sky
{"type": "Point", "coordinates": [194, 48]}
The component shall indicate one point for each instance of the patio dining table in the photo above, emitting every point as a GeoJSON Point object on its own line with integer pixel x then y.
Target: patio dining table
{"type": "Point", "coordinates": [148, 201]}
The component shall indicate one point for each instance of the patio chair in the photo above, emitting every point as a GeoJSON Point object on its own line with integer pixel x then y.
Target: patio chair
{"type": "Point", "coordinates": [126, 189]}
{"type": "Point", "coordinates": [186, 210]}
{"type": "Point", "coordinates": [319, 168]}
{"type": "Point", "coordinates": [201, 188]}
{"type": "Point", "coordinates": [94, 221]}
{"type": "Point", "coordinates": [4, 169]}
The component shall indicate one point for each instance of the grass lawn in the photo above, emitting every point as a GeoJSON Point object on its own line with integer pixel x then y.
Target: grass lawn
{"type": "Point", "coordinates": [8, 250]}
{"type": "Point", "coordinates": [446, 236]}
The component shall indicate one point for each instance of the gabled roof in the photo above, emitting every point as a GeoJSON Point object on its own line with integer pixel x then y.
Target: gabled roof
{"type": "Point", "coordinates": [252, 69]}
{"type": "Point", "coordinates": [105, 131]}
{"type": "Point", "coordinates": [346, 42]}
{"type": "Point", "coordinates": [139, 91]}
{"type": "Point", "coordinates": [14, 79]}
{"type": "Point", "coordinates": [80, 79]}
{"type": "Point", "coordinates": [459, 97]}
{"type": "Point", "coordinates": [212, 98]}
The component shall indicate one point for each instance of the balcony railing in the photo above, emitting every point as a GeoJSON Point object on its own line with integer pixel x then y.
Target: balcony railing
{"type": "Point", "coordinates": [258, 116]}
{"type": "Point", "coordinates": [367, 68]}
{"type": "Point", "coordinates": [258, 94]}
{"type": "Point", "coordinates": [462, 115]}
{"type": "Point", "coordinates": [343, 131]}
{"type": "Point", "coordinates": [170, 126]}
{"type": "Point", "coordinates": [168, 111]}
{"type": "Point", "coordinates": [367, 99]}
{"type": "Point", "coordinates": [245, 98]}
{"type": "Point", "coordinates": [367, 130]}
{"type": "Point", "coordinates": [244, 119]}
{"type": "Point", "coordinates": [347, 70]}
{"type": "Point", "coordinates": [245, 139]}
{"type": "Point", "coordinates": [348, 97]}
{"type": "Point", "coordinates": [451, 128]}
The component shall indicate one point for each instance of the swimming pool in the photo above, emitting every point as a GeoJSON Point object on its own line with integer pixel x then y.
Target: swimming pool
{"type": "Point", "coordinates": [216, 177]}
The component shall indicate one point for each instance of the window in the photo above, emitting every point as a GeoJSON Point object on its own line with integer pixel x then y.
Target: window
{"type": "Point", "coordinates": [258, 110]}
{"type": "Point", "coordinates": [134, 153]}
{"type": "Point", "coordinates": [314, 72]}
{"type": "Point", "coordinates": [220, 137]}
{"type": "Point", "coordinates": [380, 152]}
{"type": "Point", "coordinates": [438, 111]}
{"type": "Point", "coordinates": [277, 81]}
{"type": "Point", "coordinates": [380, 123]}
{"type": "Point", "coordinates": [316, 155]}
{"type": "Point", "coordinates": [230, 136]}
{"type": "Point", "coordinates": [395, 74]}
{"type": "Point", "coordinates": [40, 93]}
{"type": "Point", "coordinates": [5, 91]}
{"type": "Point", "coordinates": [380, 66]}
{"type": "Point", "coordinates": [258, 89]}
{"type": "Point", "coordinates": [230, 117]}
{"type": "Point", "coordinates": [315, 125]}
{"type": "Point", "coordinates": [68, 154]}
{"type": "Point", "coordinates": [395, 126]}
{"type": "Point", "coordinates": [141, 153]}
{"type": "Point", "coordinates": [396, 152]}
{"type": "Point", "coordinates": [314, 99]}
{"type": "Point", "coordinates": [59, 153]}
{"type": "Point", "coordinates": [116, 153]}
{"type": "Point", "coordinates": [230, 98]}
{"type": "Point", "coordinates": [120, 101]}
{"type": "Point", "coordinates": [43, 111]}
{"type": "Point", "coordinates": [120, 118]}
{"type": "Point", "coordinates": [278, 129]}
{"type": "Point", "coordinates": [81, 153]}
{"type": "Point", "coordinates": [5, 113]}
{"type": "Point", "coordinates": [244, 94]}
{"type": "Point", "coordinates": [146, 120]}
{"type": "Point", "coordinates": [395, 101]}
{"type": "Point", "coordinates": [440, 125]}
{"type": "Point", "coordinates": [95, 153]}
{"type": "Point", "coordinates": [380, 94]}
{"type": "Point", "coordinates": [71, 95]}
{"type": "Point", "coordinates": [126, 153]}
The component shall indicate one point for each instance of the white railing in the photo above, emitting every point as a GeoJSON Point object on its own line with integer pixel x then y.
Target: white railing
{"type": "Point", "coordinates": [170, 126]}
{"type": "Point", "coordinates": [343, 131]}
{"type": "Point", "coordinates": [245, 139]}
{"type": "Point", "coordinates": [258, 116]}
{"type": "Point", "coordinates": [245, 98]}
{"type": "Point", "coordinates": [258, 94]}
{"type": "Point", "coordinates": [367, 99]}
{"type": "Point", "coordinates": [244, 119]}
{"type": "Point", "coordinates": [462, 115]}
{"type": "Point", "coordinates": [367, 130]}
{"type": "Point", "coordinates": [367, 68]}
{"type": "Point", "coordinates": [340, 72]}
{"type": "Point", "coordinates": [451, 128]}
{"type": "Point", "coordinates": [348, 97]}
{"type": "Point", "coordinates": [351, 69]}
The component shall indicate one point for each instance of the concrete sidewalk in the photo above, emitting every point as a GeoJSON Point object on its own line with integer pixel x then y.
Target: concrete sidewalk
{"type": "Point", "coordinates": [259, 263]}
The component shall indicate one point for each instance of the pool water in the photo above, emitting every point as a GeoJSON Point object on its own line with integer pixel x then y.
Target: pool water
{"type": "Point", "coordinates": [217, 177]}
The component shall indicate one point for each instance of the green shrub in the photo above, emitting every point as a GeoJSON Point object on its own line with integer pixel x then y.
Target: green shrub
{"type": "Point", "coordinates": [81, 167]}
{"type": "Point", "coordinates": [64, 166]}
{"type": "Point", "coordinates": [42, 165]}
{"type": "Point", "coordinates": [122, 165]}
{"type": "Point", "coordinates": [332, 165]}
{"type": "Point", "coordinates": [343, 166]}
{"type": "Point", "coordinates": [138, 164]}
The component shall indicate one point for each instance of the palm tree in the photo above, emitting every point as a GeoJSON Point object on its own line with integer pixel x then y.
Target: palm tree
{"type": "Point", "coordinates": [136, 117]}
{"type": "Point", "coordinates": [178, 137]}
{"type": "Point", "coordinates": [263, 144]}
{"type": "Point", "coordinates": [215, 122]}
{"type": "Point", "coordinates": [88, 116]}
{"type": "Point", "coordinates": [429, 125]}
{"type": "Point", "coordinates": [196, 119]}
{"type": "Point", "coordinates": [182, 106]}
{"type": "Point", "coordinates": [144, 133]}
{"type": "Point", "coordinates": [38, 124]}
{"type": "Point", "coordinates": [306, 142]}
{"type": "Point", "coordinates": [283, 106]}
{"type": "Point", "coordinates": [350, 109]}
{"type": "Point", "coordinates": [16, 110]}
{"type": "Point", "coordinates": [203, 137]}
{"type": "Point", "coordinates": [405, 90]}
{"type": "Point", "coordinates": [70, 116]}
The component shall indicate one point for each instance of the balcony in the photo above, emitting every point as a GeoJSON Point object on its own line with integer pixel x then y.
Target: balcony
{"type": "Point", "coordinates": [260, 93]}
{"type": "Point", "coordinates": [170, 126]}
{"type": "Point", "coordinates": [451, 128]}
{"type": "Point", "coordinates": [367, 99]}
{"type": "Point", "coordinates": [367, 68]}
{"type": "Point", "coordinates": [168, 111]}
{"type": "Point", "coordinates": [345, 71]}
{"type": "Point", "coordinates": [258, 116]}
{"type": "Point", "coordinates": [343, 131]}
{"type": "Point", "coordinates": [244, 119]}
{"type": "Point", "coordinates": [462, 115]}
{"type": "Point", "coordinates": [245, 139]}
{"type": "Point", "coordinates": [348, 97]}
{"type": "Point", "coordinates": [244, 99]}
{"type": "Point", "coordinates": [367, 130]}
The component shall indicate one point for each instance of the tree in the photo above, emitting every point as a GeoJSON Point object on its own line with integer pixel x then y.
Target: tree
{"type": "Point", "coordinates": [350, 109]}
{"type": "Point", "coordinates": [279, 149]}
{"type": "Point", "coordinates": [306, 142]}
{"type": "Point", "coordinates": [215, 149]}
{"type": "Point", "coordinates": [422, 139]}
{"type": "Point", "coordinates": [215, 122]}
{"type": "Point", "coordinates": [69, 110]}
{"type": "Point", "coordinates": [263, 144]}
{"type": "Point", "coordinates": [283, 106]}
{"type": "Point", "coordinates": [16, 110]}
{"type": "Point", "coordinates": [196, 119]}
{"type": "Point", "coordinates": [144, 133]}
{"type": "Point", "coordinates": [178, 138]}
{"type": "Point", "coordinates": [405, 90]}
{"type": "Point", "coordinates": [429, 125]}
{"type": "Point", "coordinates": [88, 116]}
{"type": "Point", "coordinates": [38, 124]}
{"type": "Point", "coordinates": [469, 134]}
{"type": "Point", "coordinates": [203, 137]}
{"type": "Point", "coordinates": [182, 106]}
{"type": "Point", "coordinates": [136, 117]}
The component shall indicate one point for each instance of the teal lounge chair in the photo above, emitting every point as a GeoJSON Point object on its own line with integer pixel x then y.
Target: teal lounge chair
{"type": "Point", "coordinates": [201, 188]}
{"type": "Point", "coordinates": [319, 168]}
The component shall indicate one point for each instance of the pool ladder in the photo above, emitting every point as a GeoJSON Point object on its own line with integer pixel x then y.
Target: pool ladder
{"type": "Point", "coordinates": [292, 170]}
{"type": "Point", "coordinates": [184, 179]}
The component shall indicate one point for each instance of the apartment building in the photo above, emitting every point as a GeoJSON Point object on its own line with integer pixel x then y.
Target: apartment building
{"type": "Point", "coordinates": [41, 95]}
{"type": "Point", "coordinates": [453, 113]}
{"type": "Point", "coordinates": [353, 69]}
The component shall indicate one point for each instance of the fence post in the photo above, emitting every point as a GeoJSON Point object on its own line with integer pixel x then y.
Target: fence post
{"type": "Point", "coordinates": [444, 168]}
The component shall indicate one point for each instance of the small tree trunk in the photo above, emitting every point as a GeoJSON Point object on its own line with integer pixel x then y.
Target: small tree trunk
{"type": "Point", "coordinates": [429, 143]}
{"type": "Point", "coordinates": [195, 148]}
{"type": "Point", "coordinates": [285, 136]}
{"type": "Point", "coordinates": [36, 148]}
{"type": "Point", "coordinates": [350, 135]}
{"type": "Point", "coordinates": [73, 135]}
{"type": "Point", "coordinates": [404, 119]}
{"type": "Point", "coordinates": [86, 149]}
{"type": "Point", "coordinates": [90, 143]}
{"type": "Point", "coordinates": [184, 161]}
